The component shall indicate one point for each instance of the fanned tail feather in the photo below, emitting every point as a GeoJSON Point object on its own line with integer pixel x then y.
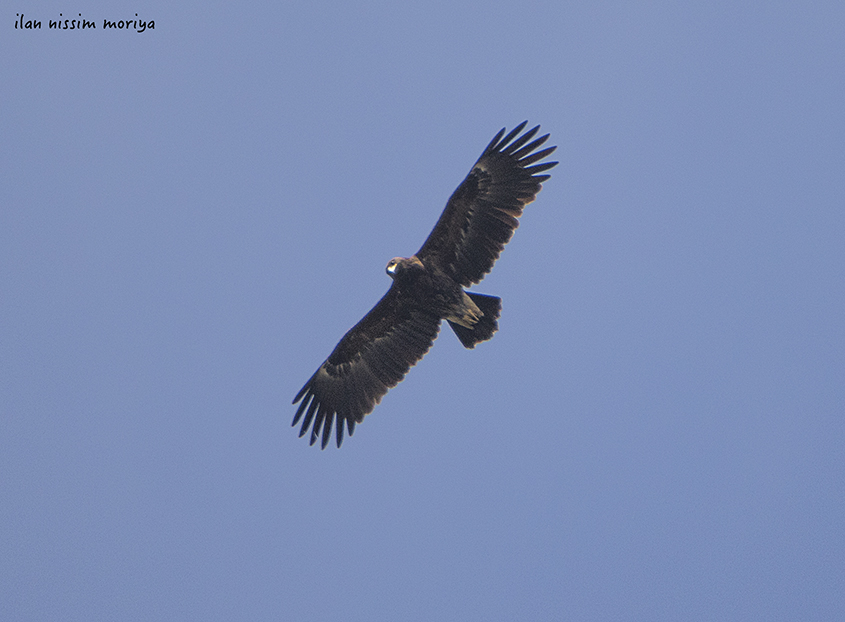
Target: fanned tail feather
{"type": "Point", "coordinates": [491, 307]}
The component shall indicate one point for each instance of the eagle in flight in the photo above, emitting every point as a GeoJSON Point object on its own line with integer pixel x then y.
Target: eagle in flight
{"type": "Point", "coordinates": [428, 287]}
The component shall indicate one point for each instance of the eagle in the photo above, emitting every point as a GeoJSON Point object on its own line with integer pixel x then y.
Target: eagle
{"type": "Point", "coordinates": [428, 287]}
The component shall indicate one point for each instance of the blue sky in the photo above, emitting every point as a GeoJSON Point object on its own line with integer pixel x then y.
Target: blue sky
{"type": "Point", "coordinates": [192, 216]}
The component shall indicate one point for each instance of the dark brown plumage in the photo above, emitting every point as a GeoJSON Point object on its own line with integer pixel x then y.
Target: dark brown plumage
{"type": "Point", "coordinates": [378, 351]}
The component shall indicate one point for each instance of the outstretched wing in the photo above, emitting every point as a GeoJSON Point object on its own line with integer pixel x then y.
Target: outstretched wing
{"type": "Point", "coordinates": [371, 358]}
{"type": "Point", "coordinates": [481, 215]}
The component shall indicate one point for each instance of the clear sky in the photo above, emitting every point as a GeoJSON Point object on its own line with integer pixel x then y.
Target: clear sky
{"type": "Point", "coordinates": [192, 216]}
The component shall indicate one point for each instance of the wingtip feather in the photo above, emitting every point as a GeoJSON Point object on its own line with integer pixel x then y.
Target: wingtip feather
{"type": "Point", "coordinates": [327, 430]}
{"type": "Point", "coordinates": [490, 147]}
{"type": "Point", "coordinates": [513, 133]}
{"type": "Point", "coordinates": [539, 168]}
{"type": "Point", "coordinates": [525, 152]}
{"type": "Point", "coordinates": [516, 144]}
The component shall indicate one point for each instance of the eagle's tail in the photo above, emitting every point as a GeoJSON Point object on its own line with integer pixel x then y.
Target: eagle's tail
{"type": "Point", "coordinates": [491, 307]}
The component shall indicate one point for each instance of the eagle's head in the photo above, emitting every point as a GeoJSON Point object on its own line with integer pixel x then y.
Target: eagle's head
{"type": "Point", "coordinates": [399, 266]}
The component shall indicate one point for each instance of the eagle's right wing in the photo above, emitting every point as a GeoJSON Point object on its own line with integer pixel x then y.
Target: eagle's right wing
{"type": "Point", "coordinates": [371, 358]}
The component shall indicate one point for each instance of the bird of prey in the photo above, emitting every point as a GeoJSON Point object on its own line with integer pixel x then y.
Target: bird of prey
{"type": "Point", "coordinates": [479, 219]}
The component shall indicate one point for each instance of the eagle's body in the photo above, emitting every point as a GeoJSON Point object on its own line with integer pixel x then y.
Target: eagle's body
{"type": "Point", "coordinates": [428, 287]}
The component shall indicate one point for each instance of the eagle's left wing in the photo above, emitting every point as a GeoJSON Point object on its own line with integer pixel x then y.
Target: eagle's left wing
{"type": "Point", "coordinates": [371, 358]}
{"type": "Point", "coordinates": [482, 213]}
